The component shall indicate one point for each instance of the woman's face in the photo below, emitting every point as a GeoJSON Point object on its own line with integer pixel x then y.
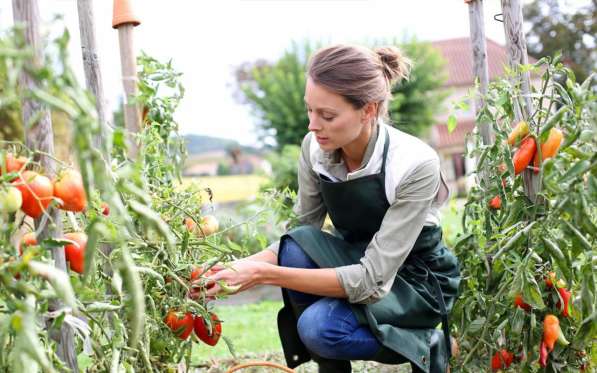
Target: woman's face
{"type": "Point", "coordinates": [334, 122]}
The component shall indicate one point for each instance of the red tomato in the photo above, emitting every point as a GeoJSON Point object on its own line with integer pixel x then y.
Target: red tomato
{"type": "Point", "coordinates": [69, 188]}
{"type": "Point", "coordinates": [75, 253]}
{"type": "Point", "coordinates": [202, 331]}
{"type": "Point", "coordinates": [37, 192]}
{"type": "Point", "coordinates": [181, 326]}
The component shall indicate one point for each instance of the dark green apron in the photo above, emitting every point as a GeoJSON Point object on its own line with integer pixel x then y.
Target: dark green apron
{"type": "Point", "coordinates": [424, 289]}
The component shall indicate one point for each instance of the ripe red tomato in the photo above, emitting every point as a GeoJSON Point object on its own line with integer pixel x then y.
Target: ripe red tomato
{"type": "Point", "coordinates": [75, 253]}
{"type": "Point", "coordinates": [69, 188]}
{"type": "Point", "coordinates": [37, 192]}
{"type": "Point", "coordinates": [202, 331]}
{"type": "Point", "coordinates": [181, 326]}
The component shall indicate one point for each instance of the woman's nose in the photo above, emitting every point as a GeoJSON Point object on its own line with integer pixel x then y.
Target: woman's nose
{"type": "Point", "coordinates": [313, 125]}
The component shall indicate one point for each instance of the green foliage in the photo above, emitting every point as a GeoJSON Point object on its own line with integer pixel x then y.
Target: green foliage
{"type": "Point", "coordinates": [416, 101]}
{"type": "Point", "coordinates": [284, 168]}
{"type": "Point", "coordinates": [275, 91]}
{"type": "Point", "coordinates": [138, 259]}
{"type": "Point", "coordinates": [511, 250]}
{"type": "Point", "coordinates": [554, 29]}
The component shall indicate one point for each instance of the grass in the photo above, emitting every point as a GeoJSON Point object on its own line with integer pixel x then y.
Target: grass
{"type": "Point", "coordinates": [233, 188]}
{"type": "Point", "coordinates": [252, 328]}
{"type": "Point", "coordinates": [254, 333]}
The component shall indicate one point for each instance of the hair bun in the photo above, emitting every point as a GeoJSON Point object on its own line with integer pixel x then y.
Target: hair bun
{"type": "Point", "coordinates": [395, 66]}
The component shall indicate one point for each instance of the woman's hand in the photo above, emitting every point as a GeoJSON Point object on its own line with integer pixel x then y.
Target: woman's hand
{"type": "Point", "coordinates": [240, 276]}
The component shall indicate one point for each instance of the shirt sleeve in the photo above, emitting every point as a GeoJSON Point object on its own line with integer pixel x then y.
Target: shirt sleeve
{"type": "Point", "coordinates": [309, 206]}
{"type": "Point", "coordinates": [371, 279]}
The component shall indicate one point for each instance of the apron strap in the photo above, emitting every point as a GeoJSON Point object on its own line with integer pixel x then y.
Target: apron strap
{"type": "Point", "coordinates": [439, 296]}
{"type": "Point", "coordinates": [386, 146]}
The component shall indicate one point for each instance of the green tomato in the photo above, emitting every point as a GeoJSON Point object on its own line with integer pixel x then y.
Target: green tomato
{"type": "Point", "coordinates": [10, 199]}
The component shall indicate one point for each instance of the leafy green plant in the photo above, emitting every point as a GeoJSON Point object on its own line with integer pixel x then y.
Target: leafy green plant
{"type": "Point", "coordinates": [521, 257]}
{"type": "Point", "coordinates": [140, 251]}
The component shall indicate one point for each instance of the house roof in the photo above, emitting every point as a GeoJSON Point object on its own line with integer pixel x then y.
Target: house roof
{"type": "Point", "coordinates": [459, 60]}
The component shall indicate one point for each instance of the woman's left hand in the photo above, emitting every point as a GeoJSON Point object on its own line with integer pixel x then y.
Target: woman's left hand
{"type": "Point", "coordinates": [242, 275]}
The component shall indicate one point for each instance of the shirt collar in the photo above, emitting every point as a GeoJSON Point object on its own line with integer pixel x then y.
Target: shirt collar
{"type": "Point", "coordinates": [333, 163]}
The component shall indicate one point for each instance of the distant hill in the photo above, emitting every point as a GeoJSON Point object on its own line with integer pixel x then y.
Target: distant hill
{"type": "Point", "coordinates": [199, 144]}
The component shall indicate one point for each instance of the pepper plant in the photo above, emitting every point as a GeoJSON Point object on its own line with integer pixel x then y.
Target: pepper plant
{"type": "Point", "coordinates": [528, 263]}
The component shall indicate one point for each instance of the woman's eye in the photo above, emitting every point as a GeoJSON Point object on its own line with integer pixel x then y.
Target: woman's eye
{"type": "Point", "coordinates": [329, 119]}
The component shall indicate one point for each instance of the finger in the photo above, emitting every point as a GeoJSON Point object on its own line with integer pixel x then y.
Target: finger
{"type": "Point", "coordinates": [213, 291]}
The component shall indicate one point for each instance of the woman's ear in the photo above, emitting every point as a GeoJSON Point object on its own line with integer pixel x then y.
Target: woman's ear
{"type": "Point", "coordinates": [369, 112]}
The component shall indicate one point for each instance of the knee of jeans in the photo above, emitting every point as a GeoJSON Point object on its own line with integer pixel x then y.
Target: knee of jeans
{"type": "Point", "coordinates": [292, 255]}
{"type": "Point", "coordinates": [319, 333]}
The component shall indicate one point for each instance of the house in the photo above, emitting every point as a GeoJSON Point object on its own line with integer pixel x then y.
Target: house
{"type": "Point", "coordinates": [459, 65]}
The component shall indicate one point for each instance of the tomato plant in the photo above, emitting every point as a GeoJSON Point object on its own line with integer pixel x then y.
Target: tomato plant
{"type": "Point", "coordinates": [533, 259]}
{"type": "Point", "coordinates": [132, 258]}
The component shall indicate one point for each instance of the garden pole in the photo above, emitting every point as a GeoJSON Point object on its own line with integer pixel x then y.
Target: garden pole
{"type": "Point", "coordinates": [93, 74]}
{"type": "Point", "coordinates": [39, 136]}
{"type": "Point", "coordinates": [125, 21]}
{"type": "Point", "coordinates": [517, 55]}
{"type": "Point", "coordinates": [480, 69]}
{"type": "Point", "coordinates": [93, 78]}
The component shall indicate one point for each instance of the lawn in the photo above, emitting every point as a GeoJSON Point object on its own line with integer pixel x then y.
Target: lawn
{"type": "Point", "coordinates": [234, 188]}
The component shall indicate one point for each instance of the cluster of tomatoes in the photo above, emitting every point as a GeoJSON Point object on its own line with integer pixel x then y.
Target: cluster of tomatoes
{"type": "Point", "coordinates": [183, 323]}
{"type": "Point", "coordinates": [33, 192]}
{"type": "Point", "coordinates": [527, 152]}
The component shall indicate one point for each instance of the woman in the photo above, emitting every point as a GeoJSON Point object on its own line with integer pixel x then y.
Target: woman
{"type": "Point", "coordinates": [378, 287]}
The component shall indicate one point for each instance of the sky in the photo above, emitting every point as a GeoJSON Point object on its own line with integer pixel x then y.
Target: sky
{"type": "Point", "coordinates": [207, 39]}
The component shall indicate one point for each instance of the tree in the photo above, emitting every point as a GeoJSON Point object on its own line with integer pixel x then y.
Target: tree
{"type": "Point", "coordinates": [275, 91]}
{"type": "Point", "coordinates": [552, 30]}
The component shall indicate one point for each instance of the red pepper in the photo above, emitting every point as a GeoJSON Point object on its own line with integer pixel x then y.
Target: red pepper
{"type": "Point", "coordinates": [519, 302]}
{"type": "Point", "coordinates": [543, 355]}
{"type": "Point", "coordinates": [552, 332]}
{"type": "Point", "coordinates": [565, 294]}
{"type": "Point", "coordinates": [524, 155]}
{"type": "Point", "coordinates": [502, 359]}
{"type": "Point", "coordinates": [495, 203]}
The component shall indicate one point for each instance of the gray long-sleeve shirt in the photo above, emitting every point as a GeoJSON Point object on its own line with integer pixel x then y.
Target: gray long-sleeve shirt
{"type": "Point", "coordinates": [414, 188]}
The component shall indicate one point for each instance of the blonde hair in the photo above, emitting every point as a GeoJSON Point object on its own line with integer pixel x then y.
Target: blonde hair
{"type": "Point", "coordinates": [359, 74]}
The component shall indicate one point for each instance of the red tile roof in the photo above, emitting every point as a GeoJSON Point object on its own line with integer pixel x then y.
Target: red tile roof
{"type": "Point", "coordinates": [459, 60]}
{"type": "Point", "coordinates": [442, 139]}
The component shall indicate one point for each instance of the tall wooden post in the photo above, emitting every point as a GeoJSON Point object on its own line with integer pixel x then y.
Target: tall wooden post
{"type": "Point", "coordinates": [39, 136]}
{"type": "Point", "coordinates": [125, 21]}
{"type": "Point", "coordinates": [480, 69]}
{"type": "Point", "coordinates": [93, 74]}
{"type": "Point", "coordinates": [517, 55]}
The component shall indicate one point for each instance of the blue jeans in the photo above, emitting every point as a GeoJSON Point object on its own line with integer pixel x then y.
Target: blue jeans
{"type": "Point", "coordinates": [327, 327]}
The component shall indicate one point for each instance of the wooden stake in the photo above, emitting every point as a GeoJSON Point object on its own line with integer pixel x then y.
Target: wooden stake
{"type": "Point", "coordinates": [93, 74]}
{"type": "Point", "coordinates": [480, 69]}
{"type": "Point", "coordinates": [40, 136]}
{"type": "Point", "coordinates": [517, 55]}
{"type": "Point", "coordinates": [128, 60]}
